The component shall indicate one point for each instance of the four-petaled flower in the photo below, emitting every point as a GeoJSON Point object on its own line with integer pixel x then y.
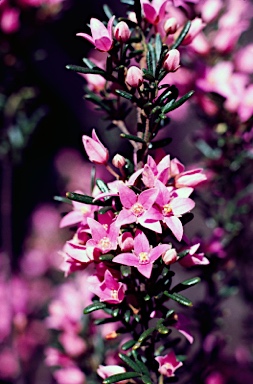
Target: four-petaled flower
{"type": "Point", "coordinates": [136, 208]}
{"type": "Point", "coordinates": [109, 290]}
{"type": "Point", "coordinates": [104, 237]}
{"type": "Point", "coordinates": [143, 255]}
{"type": "Point", "coordinates": [169, 207]}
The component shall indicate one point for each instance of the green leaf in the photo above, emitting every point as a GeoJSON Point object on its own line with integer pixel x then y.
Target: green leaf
{"type": "Point", "coordinates": [107, 11]}
{"type": "Point", "coordinates": [102, 186]}
{"type": "Point", "coordinates": [94, 307]}
{"type": "Point", "coordinates": [144, 336]}
{"type": "Point", "coordinates": [163, 330]}
{"type": "Point", "coordinates": [158, 46]}
{"type": "Point", "coordinates": [83, 198]}
{"type": "Point", "coordinates": [93, 71]}
{"type": "Point", "coordinates": [186, 284]}
{"type": "Point", "coordinates": [124, 94]}
{"type": "Point", "coordinates": [133, 138]}
{"type": "Point", "coordinates": [127, 316]}
{"type": "Point", "coordinates": [159, 143]}
{"type": "Point", "coordinates": [125, 270]}
{"type": "Point", "coordinates": [148, 75]}
{"type": "Point", "coordinates": [121, 376]}
{"type": "Point", "coordinates": [170, 107]}
{"type": "Point", "coordinates": [129, 362]}
{"type": "Point", "coordinates": [129, 344]}
{"type": "Point", "coordinates": [170, 312]}
{"type": "Point", "coordinates": [106, 257]}
{"type": "Point", "coordinates": [208, 151]}
{"type": "Point", "coordinates": [89, 63]}
{"type": "Point", "coordinates": [182, 35]}
{"type": "Point", "coordinates": [62, 199]}
{"type": "Point", "coordinates": [151, 59]}
{"type": "Point", "coordinates": [146, 380]}
{"type": "Point", "coordinates": [179, 298]}
{"type": "Point", "coordinates": [96, 100]}
{"type": "Point", "coordinates": [141, 365]}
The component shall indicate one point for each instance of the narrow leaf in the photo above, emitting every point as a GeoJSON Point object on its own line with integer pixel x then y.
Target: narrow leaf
{"type": "Point", "coordinates": [121, 376]}
{"type": "Point", "coordinates": [83, 198]}
{"type": "Point", "coordinates": [182, 35]}
{"type": "Point", "coordinates": [148, 75]}
{"type": "Point", "coordinates": [141, 365]}
{"type": "Point", "coordinates": [89, 63]}
{"type": "Point", "coordinates": [158, 46]}
{"type": "Point", "coordinates": [132, 137]}
{"type": "Point", "coordinates": [62, 199]}
{"type": "Point", "coordinates": [168, 107]}
{"type": "Point", "coordinates": [93, 71]}
{"type": "Point", "coordinates": [106, 257]}
{"type": "Point", "coordinates": [151, 59]}
{"type": "Point", "coordinates": [144, 336]}
{"type": "Point", "coordinates": [94, 307]}
{"type": "Point", "coordinates": [146, 380]}
{"type": "Point", "coordinates": [107, 11]}
{"type": "Point", "coordinates": [124, 94]}
{"type": "Point", "coordinates": [129, 362]}
{"type": "Point", "coordinates": [129, 344]}
{"type": "Point", "coordinates": [186, 284]}
{"type": "Point", "coordinates": [179, 298]}
{"type": "Point", "coordinates": [160, 143]}
{"type": "Point", "coordinates": [102, 186]}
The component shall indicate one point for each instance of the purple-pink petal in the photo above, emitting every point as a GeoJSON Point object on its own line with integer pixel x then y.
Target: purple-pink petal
{"type": "Point", "coordinates": [141, 244]}
{"type": "Point", "coordinates": [175, 226]}
{"type": "Point", "coordinates": [145, 269]}
{"type": "Point", "coordinates": [127, 259]}
{"type": "Point", "coordinates": [127, 197]}
{"type": "Point", "coordinates": [180, 205]}
{"type": "Point", "coordinates": [156, 252]}
{"type": "Point", "coordinates": [125, 217]}
{"type": "Point", "coordinates": [148, 197]}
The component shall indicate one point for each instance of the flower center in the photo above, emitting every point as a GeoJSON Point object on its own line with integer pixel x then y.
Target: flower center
{"type": "Point", "coordinates": [166, 209]}
{"type": "Point", "coordinates": [84, 210]}
{"type": "Point", "coordinates": [104, 243]}
{"type": "Point", "coordinates": [137, 209]}
{"type": "Point", "coordinates": [143, 258]}
{"type": "Point", "coordinates": [114, 294]}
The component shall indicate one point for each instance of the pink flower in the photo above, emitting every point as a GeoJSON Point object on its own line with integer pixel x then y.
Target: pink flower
{"type": "Point", "coordinates": [155, 11]}
{"type": "Point", "coordinates": [192, 258]}
{"type": "Point", "coordinates": [168, 364]}
{"type": "Point", "coordinates": [122, 32]}
{"type": "Point", "coordinates": [196, 26]}
{"type": "Point", "coordinates": [172, 60]}
{"type": "Point", "coordinates": [143, 255]}
{"type": "Point", "coordinates": [136, 208]}
{"type": "Point", "coordinates": [101, 36]}
{"type": "Point", "coordinates": [104, 237]}
{"type": "Point", "coordinates": [68, 375]}
{"type": "Point", "coordinates": [134, 77]}
{"type": "Point", "coordinates": [182, 325]}
{"type": "Point", "coordinates": [170, 26]}
{"type": "Point", "coordinates": [169, 207]}
{"type": "Point", "coordinates": [153, 171]}
{"type": "Point", "coordinates": [95, 150]}
{"type": "Point", "coordinates": [109, 290]}
{"type": "Point", "coordinates": [109, 370]}
{"type": "Point", "coordinates": [9, 20]}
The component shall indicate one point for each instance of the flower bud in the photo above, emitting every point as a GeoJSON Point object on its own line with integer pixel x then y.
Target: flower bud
{"type": "Point", "coordinates": [122, 32]}
{"type": "Point", "coordinates": [95, 150]}
{"type": "Point", "coordinates": [118, 161]}
{"type": "Point", "coordinates": [170, 256]}
{"type": "Point", "coordinates": [172, 60]}
{"type": "Point", "coordinates": [170, 26]}
{"type": "Point", "coordinates": [134, 77]}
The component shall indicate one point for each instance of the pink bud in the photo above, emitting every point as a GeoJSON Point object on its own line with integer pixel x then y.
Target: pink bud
{"type": "Point", "coordinates": [118, 161]}
{"type": "Point", "coordinates": [134, 77]}
{"type": "Point", "coordinates": [170, 256]}
{"type": "Point", "coordinates": [95, 150]}
{"type": "Point", "coordinates": [122, 32]}
{"type": "Point", "coordinates": [170, 25]}
{"type": "Point", "coordinates": [172, 60]}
